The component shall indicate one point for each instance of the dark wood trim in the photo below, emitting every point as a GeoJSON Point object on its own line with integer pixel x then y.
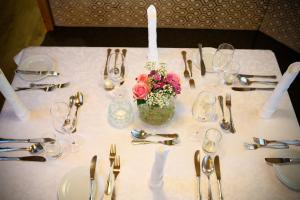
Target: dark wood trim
{"type": "Point", "coordinates": [46, 14]}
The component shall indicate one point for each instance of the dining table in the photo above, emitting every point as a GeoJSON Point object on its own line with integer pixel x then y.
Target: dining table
{"type": "Point", "coordinates": [245, 173]}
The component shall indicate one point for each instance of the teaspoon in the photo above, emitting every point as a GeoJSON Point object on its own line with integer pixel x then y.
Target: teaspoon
{"type": "Point", "coordinates": [78, 103]}
{"type": "Point", "coordinates": [34, 148]}
{"type": "Point", "coordinates": [245, 81]}
{"type": "Point", "coordinates": [141, 134]}
{"type": "Point", "coordinates": [224, 125]}
{"type": "Point", "coordinates": [208, 168]}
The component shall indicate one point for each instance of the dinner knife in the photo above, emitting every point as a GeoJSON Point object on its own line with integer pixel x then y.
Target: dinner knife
{"type": "Point", "coordinates": [283, 160]}
{"type": "Point", "coordinates": [30, 72]}
{"type": "Point", "coordinates": [257, 76]}
{"type": "Point", "coordinates": [25, 158]}
{"type": "Point", "coordinates": [202, 65]}
{"type": "Point", "coordinates": [218, 174]}
{"type": "Point", "coordinates": [250, 89]}
{"type": "Point", "coordinates": [92, 176]}
{"type": "Point", "coordinates": [198, 170]}
{"type": "Point", "coordinates": [35, 140]}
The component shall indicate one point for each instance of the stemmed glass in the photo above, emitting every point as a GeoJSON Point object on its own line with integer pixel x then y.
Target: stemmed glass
{"type": "Point", "coordinates": [59, 113]}
{"type": "Point", "coordinates": [222, 57]}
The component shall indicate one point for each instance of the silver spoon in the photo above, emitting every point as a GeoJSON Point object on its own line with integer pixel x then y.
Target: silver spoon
{"type": "Point", "coordinates": [78, 103]}
{"type": "Point", "coordinates": [141, 134]}
{"type": "Point", "coordinates": [34, 148]}
{"type": "Point", "coordinates": [245, 81]}
{"type": "Point", "coordinates": [71, 103]}
{"type": "Point", "coordinates": [224, 125]}
{"type": "Point", "coordinates": [116, 70]}
{"type": "Point", "coordinates": [165, 142]}
{"type": "Point", "coordinates": [208, 168]}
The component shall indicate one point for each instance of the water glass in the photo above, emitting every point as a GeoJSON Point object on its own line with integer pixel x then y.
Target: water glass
{"type": "Point", "coordinates": [114, 65]}
{"type": "Point", "coordinates": [230, 71]}
{"type": "Point", "coordinates": [120, 111]}
{"type": "Point", "coordinates": [222, 56]}
{"type": "Point", "coordinates": [204, 107]}
{"type": "Point", "coordinates": [211, 140]}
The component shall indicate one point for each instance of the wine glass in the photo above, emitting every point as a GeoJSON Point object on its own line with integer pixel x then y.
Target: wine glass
{"type": "Point", "coordinates": [59, 113]}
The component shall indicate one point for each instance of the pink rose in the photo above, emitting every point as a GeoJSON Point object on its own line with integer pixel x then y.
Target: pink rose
{"type": "Point", "coordinates": [142, 78]}
{"type": "Point", "coordinates": [140, 90]}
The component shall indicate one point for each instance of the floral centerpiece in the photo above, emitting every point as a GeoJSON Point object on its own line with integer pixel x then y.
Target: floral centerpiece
{"type": "Point", "coordinates": [154, 94]}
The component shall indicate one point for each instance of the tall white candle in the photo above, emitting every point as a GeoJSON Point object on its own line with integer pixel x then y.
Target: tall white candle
{"type": "Point", "coordinates": [272, 103]}
{"type": "Point", "coordinates": [152, 36]}
{"type": "Point", "coordinates": [10, 95]}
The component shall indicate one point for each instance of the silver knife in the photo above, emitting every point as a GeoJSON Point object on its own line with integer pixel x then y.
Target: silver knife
{"type": "Point", "coordinates": [218, 174]}
{"type": "Point", "coordinates": [283, 160]}
{"type": "Point", "coordinates": [250, 88]}
{"type": "Point", "coordinates": [257, 76]}
{"type": "Point", "coordinates": [198, 171]}
{"type": "Point", "coordinates": [48, 73]}
{"type": "Point", "coordinates": [25, 158]}
{"type": "Point", "coordinates": [202, 65]}
{"type": "Point", "coordinates": [35, 140]}
{"type": "Point", "coordinates": [92, 176]}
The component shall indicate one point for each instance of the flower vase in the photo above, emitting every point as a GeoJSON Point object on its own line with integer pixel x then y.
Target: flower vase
{"type": "Point", "coordinates": [156, 115]}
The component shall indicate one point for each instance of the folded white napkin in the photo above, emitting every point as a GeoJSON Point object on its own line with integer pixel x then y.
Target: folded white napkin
{"type": "Point", "coordinates": [152, 43]}
{"type": "Point", "coordinates": [10, 95]}
{"type": "Point", "coordinates": [157, 173]}
{"type": "Point", "coordinates": [272, 103]}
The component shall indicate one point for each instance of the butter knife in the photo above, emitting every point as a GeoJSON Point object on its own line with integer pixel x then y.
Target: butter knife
{"type": "Point", "coordinates": [283, 160]}
{"type": "Point", "coordinates": [218, 174]}
{"type": "Point", "coordinates": [31, 72]}
{"type": "Point", "coordinates": [92, 176]}
{"type": "Point", "coordinates": [257, 76]}
{"type": "Point", "coordinates": [198, 171]}
{"type": "Point", "coordinates": [250, 89]}
{"type": "Point", "coordinates": [202, 65]}
{"type": "Point", "coordinates": [25, 158]}
{"type": "Point", "coordinates": [35, 140]}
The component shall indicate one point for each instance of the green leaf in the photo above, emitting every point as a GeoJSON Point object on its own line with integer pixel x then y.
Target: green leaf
{"type": "Point", "coordinates": [140, 101]}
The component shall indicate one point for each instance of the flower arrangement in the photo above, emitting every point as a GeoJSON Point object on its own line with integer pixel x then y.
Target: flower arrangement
{"type": "Point", "coordinates": [154, 94]}
{"type": "Point", "coordinates": [156, 88]}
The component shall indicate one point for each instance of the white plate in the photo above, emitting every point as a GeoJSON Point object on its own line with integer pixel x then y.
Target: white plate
{"type": "Point", "coordinates": [75, 185]}
{"type": "Point", "coordinates": [36, 63]}
{"type": "Point", "coordinates": [208, 54]}
{"type": "Point", "coordinates": [289, 175]}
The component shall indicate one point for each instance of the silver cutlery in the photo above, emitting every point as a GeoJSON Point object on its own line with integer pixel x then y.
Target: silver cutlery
{"type": "Point", "coordinates": [71, 103]}
{"type": "Point", "coordinates": [34, 148]}
{"type": "Point", "coordinates": [228, 105]}
{"type": "Point", "coordinates": [141, 134]}
{"type": "Point", "coordinates": [245, 81]}
{"type": "Point", "coordinates": [202, 65]}
{"type": "Point", "coordinates": [218, 174]}
{"type": "Point", "coordinates": [198, 171]}
{"type": "Point", "coordinates": [112, 153]}
{"type": "Point", "coordinates": [257, 76]}
{"type": "Point", "coordinates": [30, 72]}
{"type": "Point", "coordinates": [250, 89]}
{"type": "Point", "coordinates": [271, 146]}
{"type": "Point", "coordinates": [191, 81]}
{"type": "Point", "coordinates": [106, 64]}
{"type": "Point", "coordinates": [185, 72]}
{"type": "Point", "coordinates": [165, 142]}
{"type": "Point", "coordinates": [116, 69]}
{"type": "Point", "coordinates": [47, 88]}
{"type": "Point", "coordinates": [34, 140]}
{"type": "Point", "coordinates": [122, 73]}
{"type": "Point", "coordinates": [208, 169]}
{"type": "Point", "coordinates": [262, 141]}
{"type": "Point", "coordinates": [92, 176]}
{"type": "Point", "coordinates": [224, 124]}
{"type": "Point", "coordinates": [25, 158]}
{"type": "Point", "coordinates": [283, 160]}
{"type": "Point", "coordinates": [78, 103]}
{"type": "Point", "coordinates": [112, 177]}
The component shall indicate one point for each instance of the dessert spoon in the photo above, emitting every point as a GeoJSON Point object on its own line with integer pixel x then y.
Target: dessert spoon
{"type": "Point", "coordinates": [208, 168]}
{"type": "Point", "coordinates": [34, 148]}
{"type": "Point", "coordinates": [141, 134]}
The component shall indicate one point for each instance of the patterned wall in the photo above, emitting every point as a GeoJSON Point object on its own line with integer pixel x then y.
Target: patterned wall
{"type": "Point", "coordinates": [282, 22]}
{"type": "Point", "coordinates": [204, 14]}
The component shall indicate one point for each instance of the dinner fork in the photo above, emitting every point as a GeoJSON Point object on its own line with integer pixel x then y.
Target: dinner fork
{"type": "Point", "coordinates": [262, 141]}
{"type": "Point", "coordinates": [116, 167]}
{"type": "Point", "coordinates": [186, 72]}
{"type": "Point", "coordinates": [112, 154]}
{"type": "Point", "coordinates": [191, 81]}
{"type": "Point", "coordinates": [165, 142]}
{"type": "Point", "coordinates": [272, 146]}
{"type": "Point", "coordinates": [228, 105]}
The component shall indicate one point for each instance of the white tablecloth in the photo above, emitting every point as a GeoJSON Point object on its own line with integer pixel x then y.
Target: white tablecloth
{"type": "Point", "coordinates": [245, 174]}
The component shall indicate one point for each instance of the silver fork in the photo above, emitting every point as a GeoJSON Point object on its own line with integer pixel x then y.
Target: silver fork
{"type": "Point", "coordinates": [112, 154]}
{"type": "Point", "coordinates": [262, 141]}
{"type": "Point", "coordinates": [274, 146]}
{"type": "Point", "coordinates": [185, 72]}
{"type": "Point", "coordinates": [191, 81]}
{"type": "Point", "coordinates": [116, 171]}
{"type": "Point", "coordinates": [228, 105]}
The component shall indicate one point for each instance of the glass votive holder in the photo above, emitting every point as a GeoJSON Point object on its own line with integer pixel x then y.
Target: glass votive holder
{"type": "Point", "coordinates": [204, 107]}
{"type": "Point", "coordinates": [211, 140]}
